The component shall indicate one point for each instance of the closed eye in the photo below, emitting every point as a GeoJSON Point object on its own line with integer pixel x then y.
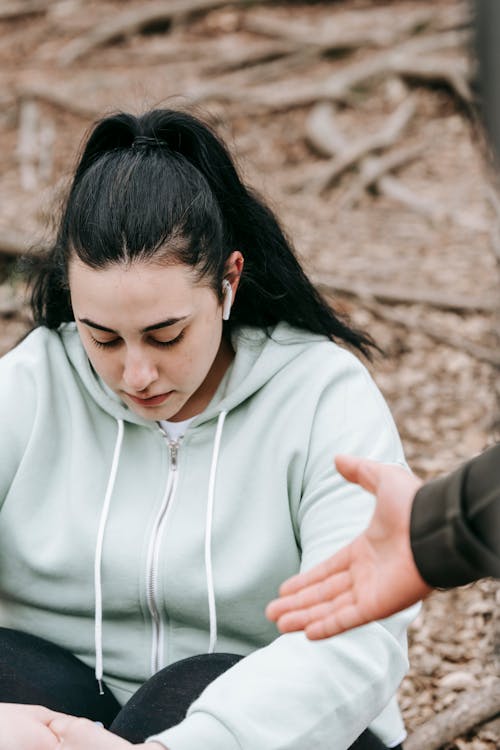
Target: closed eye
{"type": "Point", "coordinates": [170, 342]}
{"type": "Point", "coordinates": [154, 342]}
{"type": "Point", "coordinates": [105, 344]}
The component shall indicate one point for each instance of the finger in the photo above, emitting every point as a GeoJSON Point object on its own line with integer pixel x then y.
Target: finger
{"type": "Point", "coordinates": [337, 563]}
{"type": "Point", "coordinates": [299, 619]}
{"type": "Point", "coordinates": [345, 618]}
{"type": "Point", "coordinates": [359, 470]}
{"type": "Point", "coordinates": [318, 593]}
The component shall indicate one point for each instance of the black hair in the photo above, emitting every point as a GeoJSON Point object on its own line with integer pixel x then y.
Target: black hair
{"type": "Point", "coordinates": [163, 187]}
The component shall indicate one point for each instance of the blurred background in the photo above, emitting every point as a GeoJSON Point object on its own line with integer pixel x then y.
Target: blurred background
{"type": "Point", "coordinates": [357, 120]}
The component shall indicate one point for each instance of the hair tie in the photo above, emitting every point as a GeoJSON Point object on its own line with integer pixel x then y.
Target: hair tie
{"type": "Point", "coordinates": [146, 140]}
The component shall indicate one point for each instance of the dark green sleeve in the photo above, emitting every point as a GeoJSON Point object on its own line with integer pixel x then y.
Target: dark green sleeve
{"type": "Point", "coordinates": [455, 524]}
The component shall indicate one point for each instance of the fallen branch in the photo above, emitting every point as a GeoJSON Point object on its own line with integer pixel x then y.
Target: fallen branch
{"type": "Point", "coordinates": [469, 710]}
{"type": "Point", "coordinates": [27, 145]}
{"type": "Point", "coordinates": [61, 101]}
{"type": "Point", "coordinates": [379, 27]}
{"type": "Point", "coordinates": [393, 188]}
{"type": "Point", "coordinates": [404, 59]}
{"type": "Point", "coordinates": [13, 308]}
{"type": "Point", "coordinates": [453, 73]}
{"type": "Point", "coordinates": [476, 351]}
{"type": "Point", "coordinates": [13, 243]}
{"type": "Point", "coordinates": [13, 10]}
{"type": "Point", "coordinates": [373, 169]}
{"type": "Point", "coordinates": [394, 295]}
{"type": "Point", "coordinates": [353, 31]}
{"type": "Point", "coordinates": [134, 21]}
{"type": "Point", "coordinates": [490, 731]}
{"type": "Point", "coordinates": [327, 174]}
{"type": "Point", "coordinates": [322, 132]}
{"type": "Point", "coordinates": [328, 140]}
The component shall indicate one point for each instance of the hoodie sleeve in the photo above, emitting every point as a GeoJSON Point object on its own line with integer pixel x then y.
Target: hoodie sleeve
{"type": "Point", "coordinates": [17, 411]}
{"type": "Point", "coordinates": [296, 694]}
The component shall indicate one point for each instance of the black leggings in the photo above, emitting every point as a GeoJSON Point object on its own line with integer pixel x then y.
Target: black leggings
{"type": "Point", "coordinates": [35, 671]}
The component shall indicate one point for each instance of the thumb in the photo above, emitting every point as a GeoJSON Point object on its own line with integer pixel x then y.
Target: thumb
{"type": "Point", "coordinates": [360, 471]}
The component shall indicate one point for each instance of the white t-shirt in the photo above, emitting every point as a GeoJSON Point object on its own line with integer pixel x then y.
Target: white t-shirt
{"type": "Point", "coordinates": [175, 430]}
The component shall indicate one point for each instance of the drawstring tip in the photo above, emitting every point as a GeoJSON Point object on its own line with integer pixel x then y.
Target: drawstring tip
{"type": "Point", "coordinates": [101, 691]}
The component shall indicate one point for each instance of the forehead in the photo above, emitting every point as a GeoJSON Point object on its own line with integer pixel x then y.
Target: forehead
{"type": "Point", "coordinates": [137, 292]}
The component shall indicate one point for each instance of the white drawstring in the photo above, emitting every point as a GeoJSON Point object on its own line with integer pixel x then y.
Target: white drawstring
{"type": "Point", "coordinates": [208, 535]}
{"type": "Point", "coordinates": [98, 557]}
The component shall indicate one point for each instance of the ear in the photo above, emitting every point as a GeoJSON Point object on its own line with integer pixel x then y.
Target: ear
{"type": "Point", "coordinates": [233, 269]}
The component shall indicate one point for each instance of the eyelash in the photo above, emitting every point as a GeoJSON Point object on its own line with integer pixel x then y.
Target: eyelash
{"type": "Point", "coordinates": [154, 342]}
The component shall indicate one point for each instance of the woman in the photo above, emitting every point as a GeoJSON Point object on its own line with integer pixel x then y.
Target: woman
{"type": "Point", "coordinates": [166, 450]}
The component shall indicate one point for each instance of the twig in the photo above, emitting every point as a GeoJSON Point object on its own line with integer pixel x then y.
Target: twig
{"type": "Point", "coordinates": [133, 21]}
{"type": "Point", "coordinates": [328, 139]}
{"type": "Point", "coordinates": [379, 27]}
{"type": "Point", "coordinates": [373, 169]}
{"type": "Point", "coordinates": [57, 99]}
{"type": "Point", "coordinates": [13, 243]}
{"type": "Point", "coordinates": [490, 730]}
{"type": "Point", "coordinates": [393, 188]}
{"type": "Point", "coordinates": [394, 295]}
{"type": "Point", "coordinates": [476, 351]}
{"type": "Point", "coordinates": [27, 144]}
{"type": "Point", "coordinates": [13, 10]}
{"type": "Point", "coordinates": [469, 710]}
{"type": "Point", "coordinates": [322, 132]}
{"type": "Point", "coordinates": [454, 73]}
{"type": "Point", "coordinates": [13, 308]}
{"type": "Point", "coordinates": [46, 139]}
{"type": "Point", "coordinates": [326, 174]}
{"type": "Point", "coordinates": [276, 98]}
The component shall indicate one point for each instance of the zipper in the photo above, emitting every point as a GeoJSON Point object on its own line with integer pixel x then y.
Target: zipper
{"type": "Point", "coordinates": [154, 553]}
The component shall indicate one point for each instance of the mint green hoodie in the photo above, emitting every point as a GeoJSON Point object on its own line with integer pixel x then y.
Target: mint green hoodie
{"type": "Point", "coordinates": [134, 553]}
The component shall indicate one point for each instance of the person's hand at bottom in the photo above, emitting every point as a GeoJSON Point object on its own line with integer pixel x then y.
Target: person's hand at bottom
{"type": "Point", "coordinates": [73, 733]}
{"type": "Point", "coordinates": [26, 727]}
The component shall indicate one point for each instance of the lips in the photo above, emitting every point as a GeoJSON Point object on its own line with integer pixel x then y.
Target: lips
{"type": "Point", "coordinates": [152, 401]}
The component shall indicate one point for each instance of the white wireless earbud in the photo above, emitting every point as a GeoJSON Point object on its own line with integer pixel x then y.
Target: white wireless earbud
{"type": "Point", "coordinates": [227, 291]}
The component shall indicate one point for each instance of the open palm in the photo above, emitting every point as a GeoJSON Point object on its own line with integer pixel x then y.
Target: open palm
{"type": "Point", "coordinates": [373, 577]}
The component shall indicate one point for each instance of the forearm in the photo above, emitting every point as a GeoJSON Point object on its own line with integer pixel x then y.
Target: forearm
{"type": "Point", "coordinates": [295, 691]}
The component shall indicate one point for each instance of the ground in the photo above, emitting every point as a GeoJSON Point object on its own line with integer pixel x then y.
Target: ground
{"type": "Point", "coordinates": [423, 251]}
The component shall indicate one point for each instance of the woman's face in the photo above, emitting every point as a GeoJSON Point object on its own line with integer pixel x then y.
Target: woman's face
{"type": "Point", "coordinates": [153, 333]}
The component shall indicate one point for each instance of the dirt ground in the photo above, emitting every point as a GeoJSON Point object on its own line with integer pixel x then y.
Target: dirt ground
{"type": "Point", "coordinates": [411, 257]}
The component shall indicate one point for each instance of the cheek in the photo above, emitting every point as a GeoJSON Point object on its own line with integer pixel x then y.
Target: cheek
{"type": "Point", "coordinates": [105, 364]}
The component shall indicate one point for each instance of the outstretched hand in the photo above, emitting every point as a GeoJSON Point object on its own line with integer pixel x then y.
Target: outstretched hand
{"type": "Point", "coordinates": [373, 577]}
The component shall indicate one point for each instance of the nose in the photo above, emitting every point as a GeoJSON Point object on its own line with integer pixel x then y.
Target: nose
{"type": "Point", "coordinates": [139, 371]}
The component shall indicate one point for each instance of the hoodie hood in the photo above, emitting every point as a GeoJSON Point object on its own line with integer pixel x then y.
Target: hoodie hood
{"type": "Point", "coordinates": [259, 356]}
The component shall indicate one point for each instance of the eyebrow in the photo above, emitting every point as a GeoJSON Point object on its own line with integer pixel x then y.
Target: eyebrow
{"type": "Point", "coordinates": [154, 327]}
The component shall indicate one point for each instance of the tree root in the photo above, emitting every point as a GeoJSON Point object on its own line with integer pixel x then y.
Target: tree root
{"type": "Point", "coordinates": [403, 59]}
{"type": "Point", "coordinates": [469, 710]}
{"type": "Point", "coordinates": [394, 295]}
{"type": "Point", "coordinates": [12, 10]}
{"type": "Point", "coordinates": [387, 136]}
{"type": "Point", "coordinates": [135, 20]}
{"type": "Point", "coordinates": [476, 351]}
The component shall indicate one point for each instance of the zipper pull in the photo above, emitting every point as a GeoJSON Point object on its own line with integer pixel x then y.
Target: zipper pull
{"type": "Point", "coordinates": [173, 447]}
